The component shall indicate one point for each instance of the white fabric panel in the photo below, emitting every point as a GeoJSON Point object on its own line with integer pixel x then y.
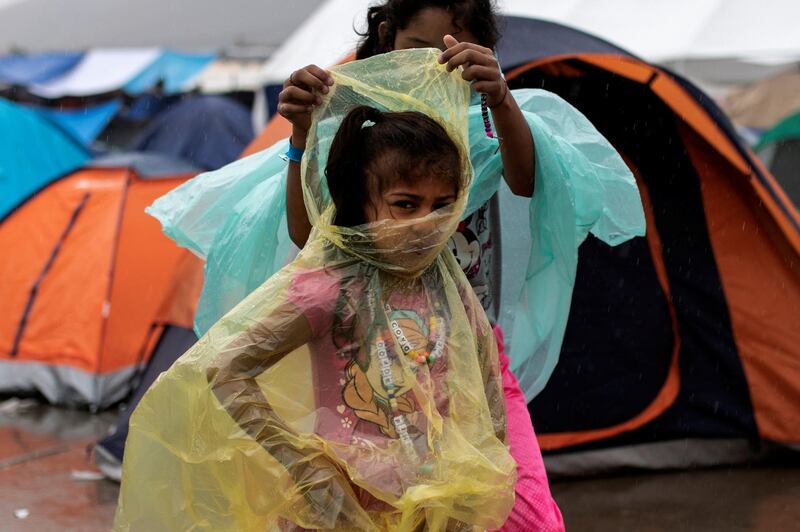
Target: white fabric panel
{"type": "Point", "coordinates": [323, 39]}
{"type": "Point", "coordinates": [187, 25]}
{"type": "Point", "coordinates": [100, 71]}
{"type": "Point", "coordinates": [747, 28]}
{"type": "Point", "coordinates": [652, 29]}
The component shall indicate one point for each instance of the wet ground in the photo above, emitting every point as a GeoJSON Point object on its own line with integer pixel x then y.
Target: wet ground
{"type": "Point", "coordinates": [48, 483]}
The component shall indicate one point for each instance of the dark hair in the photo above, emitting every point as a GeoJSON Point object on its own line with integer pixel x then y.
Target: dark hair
{"type": "Point", "coordinates": [412, 144]}
{"type": "Point", "coordinates": [477, 16]}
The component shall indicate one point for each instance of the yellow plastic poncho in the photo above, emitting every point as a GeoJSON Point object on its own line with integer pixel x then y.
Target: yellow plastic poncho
{"type": "Point", "coordinates": [307, 405]}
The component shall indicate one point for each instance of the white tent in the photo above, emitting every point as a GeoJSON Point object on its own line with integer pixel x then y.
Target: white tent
{"type": "Point", "coordinates": [683, 33]}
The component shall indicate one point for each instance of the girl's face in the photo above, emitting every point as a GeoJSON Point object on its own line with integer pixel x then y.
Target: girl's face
{"type": "Point", "coordinates": [427, 30]}
{"type": "Point", "coordinates": [408, 200]}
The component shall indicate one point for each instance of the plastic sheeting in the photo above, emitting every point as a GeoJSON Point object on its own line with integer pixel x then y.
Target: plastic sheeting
{"type": "Point", "coordinates": [21, 69]}
{"type": "Point", "coordinates": [307, 403]}
{"type": "Point", "coordinates": [33, 152]}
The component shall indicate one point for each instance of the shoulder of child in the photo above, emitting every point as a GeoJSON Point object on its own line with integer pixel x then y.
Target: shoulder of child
{"type": "Point", "coordinates": [315, 292]}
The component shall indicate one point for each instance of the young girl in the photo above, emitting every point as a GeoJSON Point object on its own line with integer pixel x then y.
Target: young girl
{"type": "Point", "coordinates": [405, 427]}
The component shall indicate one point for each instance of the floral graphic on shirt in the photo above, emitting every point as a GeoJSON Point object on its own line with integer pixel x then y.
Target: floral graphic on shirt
{"type": "Point", "coordinates": [364, 391]}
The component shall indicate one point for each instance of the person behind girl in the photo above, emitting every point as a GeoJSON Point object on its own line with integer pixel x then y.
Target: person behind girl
{"type": "Point", "coordinates": [234, 217]}
{"type": "Point", "coordinates": [407, 420]}
{"type": "Point", "coordinates": [467, 32]}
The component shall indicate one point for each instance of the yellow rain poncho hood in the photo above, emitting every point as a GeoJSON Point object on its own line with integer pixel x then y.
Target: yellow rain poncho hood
{"type": "Point", "coordinates": [357, 388]}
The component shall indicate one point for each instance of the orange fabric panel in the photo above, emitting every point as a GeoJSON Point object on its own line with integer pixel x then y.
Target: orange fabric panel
{"type": "Point", "coordinates": [143, 269]}
{"type": "Point", "coordinates": [277, 129]}
{"type": "Point", "coordinates": [669, 391]}
{"type": "Point", "coordinates": [27, 238]}
{"type": "Point", "coordinates": [684, 105]}
{"type": "Point", "coordinates": [782, 219]}
{"type": "Point", "coordinates": [64, 325]}
{"type": "Point", "coordinates": [760, 273]}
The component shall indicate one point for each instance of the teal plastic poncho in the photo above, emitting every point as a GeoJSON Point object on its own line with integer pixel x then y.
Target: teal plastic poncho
{"type": "Point", "coordinates": [235, 219]}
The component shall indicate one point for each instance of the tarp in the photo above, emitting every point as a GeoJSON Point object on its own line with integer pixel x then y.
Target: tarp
{"type": "Point", "coordinates": [228, 75]}
{"type": "Point", "coordinates": [190, 25]}
{"type": "Point", "coordinates": [209, 131]}
{"type": "Point", "coordinates": [174, 69]}
{"type": "Point", "coordinates": [33, 152]}
{"type": "Point", "coordinates": [657, 31]}
{"type": "Point", "coordinates": [83, 124]}
{"type": "Point", "coordinates": [100, 71]}
{"type": "Point", "coordinates": [21, 69]}
{"type": "Point", "coordinates": [779, 149]}
{"type": "Point", "coordinates": [763, 104]}
{"type": "Point", "coordinates": [787, 129]}
{"type": "Point", "coordinates": [679, 28]}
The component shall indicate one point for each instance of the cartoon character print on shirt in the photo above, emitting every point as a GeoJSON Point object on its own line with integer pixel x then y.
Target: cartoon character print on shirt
{"type": "Point", "coordinates": [471, 246]}
{"type": "Point", "coordinates": [364, 391]}
{"type": "Point", "coordinates": [466, 249]}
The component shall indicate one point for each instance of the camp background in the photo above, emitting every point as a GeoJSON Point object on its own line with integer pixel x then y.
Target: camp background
{"type": "Point", "coordinates": [703, 377]}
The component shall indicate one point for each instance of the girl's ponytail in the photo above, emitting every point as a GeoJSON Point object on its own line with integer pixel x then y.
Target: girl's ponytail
{"type": "Point", "coordinates": [345, 170]}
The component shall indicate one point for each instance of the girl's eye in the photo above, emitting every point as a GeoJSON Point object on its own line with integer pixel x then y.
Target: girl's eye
{"type": "Point", "coordinates": [404, 204]}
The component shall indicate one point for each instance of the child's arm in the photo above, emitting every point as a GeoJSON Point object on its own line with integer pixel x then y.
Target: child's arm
{"type": "Point", "coordinates": [232, 376]}
{"type": "Point", "coordinates": [301, 93]}
{"type": "Point", "coordinates": [480, 67]}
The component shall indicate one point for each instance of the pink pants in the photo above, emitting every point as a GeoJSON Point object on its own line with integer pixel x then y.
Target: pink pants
{"type": "Point", "coordinates": [534, 507]}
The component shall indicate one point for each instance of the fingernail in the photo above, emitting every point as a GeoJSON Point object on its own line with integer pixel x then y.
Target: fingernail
{"type": "Point", "coordinates": [441, 58]}
{"type": "Point", "coordinates": [330, 81]}
{"type": "Point", "coordinates": [325, 89]}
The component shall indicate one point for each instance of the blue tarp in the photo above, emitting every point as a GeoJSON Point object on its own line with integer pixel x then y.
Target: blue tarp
{"type": "Point", "coordinates": [21, 69]}
{"type": "Point", "coordinates": [33, 153]}
{"type": "Point", "coordinates": [83, 124]}
{"type": "Point", "coordinates": [209, 131]}
{"type": "Point", "coordinates": [173, 68]}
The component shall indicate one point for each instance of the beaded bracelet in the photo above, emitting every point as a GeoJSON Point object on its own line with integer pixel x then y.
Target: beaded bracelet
{"type": "Point", "coordinates": [487, 125]}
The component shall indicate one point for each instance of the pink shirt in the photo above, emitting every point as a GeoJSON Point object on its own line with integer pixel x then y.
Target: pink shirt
{"type": "Point", "coordinates": [316, 292]}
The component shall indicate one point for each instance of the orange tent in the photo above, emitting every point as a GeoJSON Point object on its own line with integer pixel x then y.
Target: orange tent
{"type": "Point", "coordinates": [89, 282]}
{"type": "Point", "coordinates": [684, 347]}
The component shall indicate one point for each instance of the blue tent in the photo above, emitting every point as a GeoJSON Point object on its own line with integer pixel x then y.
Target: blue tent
{"type": "Point", "coordinates": [21, 69]}
{"type": "Point", "coordinates": [209, 131]}
{"type": "Point", "coordinates": [83, 124]}
{"type": "Point", "coordinates": [33, 152]}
